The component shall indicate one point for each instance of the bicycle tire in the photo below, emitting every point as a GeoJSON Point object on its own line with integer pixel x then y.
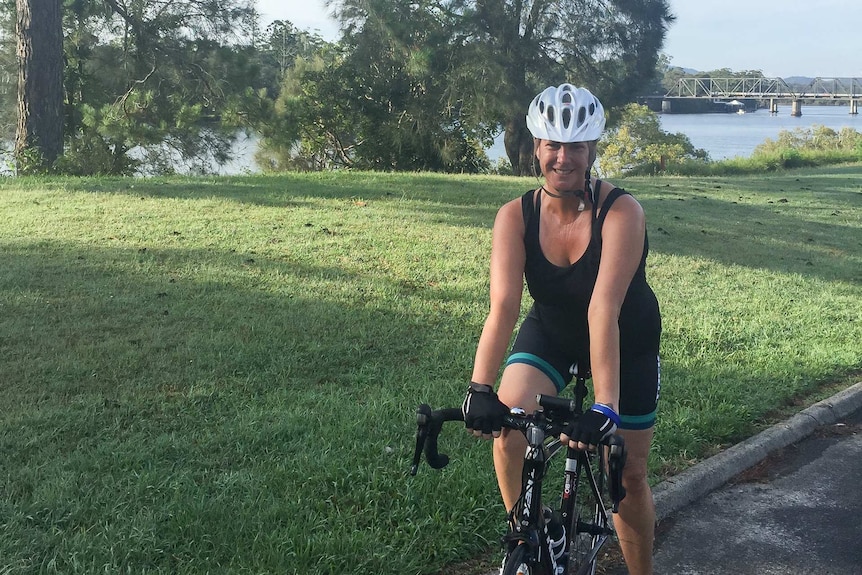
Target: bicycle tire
{"type": "Point", "coordinates": [590, 513]}
{"type": "Point", "coordinates": [519, 563]}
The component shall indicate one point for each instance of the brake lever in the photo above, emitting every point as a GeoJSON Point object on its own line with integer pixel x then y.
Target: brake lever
{"type": "Point", "coordinates": [616, 463]}
{"type": "Point", "coordinates": [423, 417]}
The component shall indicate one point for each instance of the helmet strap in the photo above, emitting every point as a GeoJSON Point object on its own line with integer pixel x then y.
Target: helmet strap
{"type": "Point", "coordinates": [577, 193]}
{"type": "Point", "coordinates": [580, 194]}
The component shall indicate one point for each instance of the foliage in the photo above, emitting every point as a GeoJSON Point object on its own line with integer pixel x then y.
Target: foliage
{"type": "Point", "coordinates": [291, 139]}
{"type": "Point", "coordinates": [278, 49]}
{"type": "Point", "coordinates": [165, 103]}
{"type": "Point", "coordinates": [636, 144]}
{"type": "Point", "coordinates": [799, 148]}
{"type": "Point", "coordinates": [373, 105]}
{"type": "Point", "coordinates": [491, 59]}
{"type": "Point", "coordinates": [816, 137]}
{"type": "Point", "coordinates": [154, 84]}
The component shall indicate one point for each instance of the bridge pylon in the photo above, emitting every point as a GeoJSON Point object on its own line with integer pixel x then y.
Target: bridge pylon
{"type": "Point", "coordinates": [796, 108]}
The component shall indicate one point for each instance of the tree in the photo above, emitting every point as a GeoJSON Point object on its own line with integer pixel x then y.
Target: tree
{"type": "Point", "coordinates": [156, 82]}
{"type": "Point", "coordinates": [39, 135]}
{"type": "Point", "coordinates": [149, 84]}
{"type": "Point", "coordinates": [376, 100]}
{"type": "Point", "coordinates": [291, 138]}
{"type": "Point", "coordinates": [636, 143]}
{"type": "Point", "coordinates": [500, 53]}
{"type": "Point", "coordinates": [279, 47]}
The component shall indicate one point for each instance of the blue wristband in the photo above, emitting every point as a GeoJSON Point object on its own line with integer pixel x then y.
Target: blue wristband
{"type": "Point", "coordinates": [607, 411]}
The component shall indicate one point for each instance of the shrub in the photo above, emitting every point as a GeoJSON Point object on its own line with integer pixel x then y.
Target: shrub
{"type": "Point", "coordinates": [799, 148]}
{"type": "Point", "coordinates": [636, 144]}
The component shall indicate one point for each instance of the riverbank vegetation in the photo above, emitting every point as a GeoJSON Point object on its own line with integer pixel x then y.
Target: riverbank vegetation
{"type": "Point", "coordinates": [154, 88]}
{"type": "Point", "coordinates": [144, 86]}
{"type": "Point", "coordinates": [220, 375]}
{"type": "Point", "coordinates": [636, 145]}
{"type": "Point", "coordinates": [800, 148]}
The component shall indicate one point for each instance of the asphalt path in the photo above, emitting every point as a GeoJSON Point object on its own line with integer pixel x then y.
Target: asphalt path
{"type": "Point", "coordinates": [788, 501]}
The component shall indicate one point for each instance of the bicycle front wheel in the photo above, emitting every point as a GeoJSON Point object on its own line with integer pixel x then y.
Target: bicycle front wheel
{"type": "Point", "coordinates": [589, 529]}
{"type": "Point", "coordinates": [519, 562]}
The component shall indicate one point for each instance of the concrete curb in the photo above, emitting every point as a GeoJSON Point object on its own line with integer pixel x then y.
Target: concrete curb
{"type": "Point", "coordinates": [692, 484]}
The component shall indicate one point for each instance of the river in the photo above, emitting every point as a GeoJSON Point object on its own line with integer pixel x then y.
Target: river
{"type": "Point", "coordinates": [730, 135]}
{"type": "Point", "coordinates": [721, 135]}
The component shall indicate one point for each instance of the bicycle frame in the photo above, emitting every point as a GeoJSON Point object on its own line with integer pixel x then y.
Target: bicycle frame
{"type": "Point", "coordinates": [597, 528]}
{"type": "Point", "coordinates": [527, 533]}
{"type": "Point", "coordinates": [527, 523]}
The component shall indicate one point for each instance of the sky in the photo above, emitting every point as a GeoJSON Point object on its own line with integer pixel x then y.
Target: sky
{"type": "Point", "coordinates": [781, 38]}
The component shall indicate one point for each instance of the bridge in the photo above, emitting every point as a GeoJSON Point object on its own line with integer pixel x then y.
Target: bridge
{"type": "Point", "coordinates": [773, 90]}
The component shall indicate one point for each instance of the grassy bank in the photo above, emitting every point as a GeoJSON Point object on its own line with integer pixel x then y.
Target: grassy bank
{"type": "Point", "coordinates": [760, 162]}
{"type": "Point", "coordinates": [221, 375]}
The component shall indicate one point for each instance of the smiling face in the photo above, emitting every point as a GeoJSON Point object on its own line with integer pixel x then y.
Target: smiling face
{"type": "Point", "coordinates": [565, 165]}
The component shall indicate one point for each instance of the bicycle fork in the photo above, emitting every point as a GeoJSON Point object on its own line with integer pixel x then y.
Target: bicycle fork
{"type": "Point", "coordinates": [583, 481]}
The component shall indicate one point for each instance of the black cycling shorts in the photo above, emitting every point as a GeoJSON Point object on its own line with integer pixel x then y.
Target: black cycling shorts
{"type": "Point", "coordinates": [640, 376]}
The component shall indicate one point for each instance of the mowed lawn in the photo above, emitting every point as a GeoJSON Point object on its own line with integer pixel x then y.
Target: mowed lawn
{"type": "Point", "coordinates": [220, 375]}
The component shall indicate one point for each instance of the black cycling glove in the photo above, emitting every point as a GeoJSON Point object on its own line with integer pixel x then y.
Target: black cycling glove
{"type": "Point", "coordinates": [483, 410]}
{"type": "Point", "coordinates": [595, 425]}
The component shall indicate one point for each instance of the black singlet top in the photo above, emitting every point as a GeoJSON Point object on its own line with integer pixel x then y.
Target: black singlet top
{"type": "Point", "coordinates": [562, 294]}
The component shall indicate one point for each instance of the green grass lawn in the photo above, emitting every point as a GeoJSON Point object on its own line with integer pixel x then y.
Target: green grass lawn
{"type": "Point", "coordinates": [220, 375]}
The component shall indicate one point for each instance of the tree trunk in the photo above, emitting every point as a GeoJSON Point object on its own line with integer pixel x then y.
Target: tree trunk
{"type": "Point", "coordinates": [39, 137]}
{"type": "Point", "coordinates": [518, 143]}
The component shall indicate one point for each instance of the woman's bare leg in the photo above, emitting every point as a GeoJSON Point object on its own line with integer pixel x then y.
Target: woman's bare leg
{"type": "Point", "coordinates": [518, 388]}
{"type": "Point", "coordinates": [635, 522]}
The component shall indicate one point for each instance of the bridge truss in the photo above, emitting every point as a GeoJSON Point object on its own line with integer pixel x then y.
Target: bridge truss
{"type": "Point", "coordinates": [765, 88]}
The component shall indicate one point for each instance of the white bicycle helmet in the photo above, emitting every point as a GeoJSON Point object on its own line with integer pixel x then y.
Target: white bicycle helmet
{"type": "Point", "coordinates": [566, 114]}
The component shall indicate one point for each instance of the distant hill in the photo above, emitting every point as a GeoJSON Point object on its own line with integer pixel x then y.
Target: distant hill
{"type": "Point", "coordinates": [798, 82]}
{"type": "Point", "coordinates": [791, 80]}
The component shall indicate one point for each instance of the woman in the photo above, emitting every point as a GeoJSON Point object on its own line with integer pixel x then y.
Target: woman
{"type": "Point", "coordinates": [582, 249]}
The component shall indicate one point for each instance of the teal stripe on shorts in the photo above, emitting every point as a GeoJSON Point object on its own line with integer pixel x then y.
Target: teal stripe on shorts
{"type": "Point", "coordinates": [637, 421]}
{"type": "Point", "coordinates": [542, 366]}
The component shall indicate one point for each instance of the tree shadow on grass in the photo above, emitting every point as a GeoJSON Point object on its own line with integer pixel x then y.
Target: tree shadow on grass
{"type": "Point", "coordinates": [807, 223]}
{"type": "Point", "coordinates": [788, 231]}
{"type": "Point", "coordinates": [281, 190]}
{"type": "Point", "coordinates": [159, 401]}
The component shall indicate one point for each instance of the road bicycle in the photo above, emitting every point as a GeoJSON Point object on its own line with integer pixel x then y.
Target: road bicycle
{"type": "Point", "coordinates": [591, 487]}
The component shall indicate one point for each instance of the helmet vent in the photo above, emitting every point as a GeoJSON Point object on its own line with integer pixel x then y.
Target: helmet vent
{"type": "Point", "coordinates": [567, 116]}
{"type": "Point", "coordinates": [592, 108]}
{"type": "Point", "coordinates": [582, 115]}
{"type": "Point", "coordinates": [550, 114]}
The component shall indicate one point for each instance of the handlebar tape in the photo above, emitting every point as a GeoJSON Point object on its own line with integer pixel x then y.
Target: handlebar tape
{"type": "Point", "coordinates": [429, 425]}
{"type": "Point", "coordinates": [436, 459]}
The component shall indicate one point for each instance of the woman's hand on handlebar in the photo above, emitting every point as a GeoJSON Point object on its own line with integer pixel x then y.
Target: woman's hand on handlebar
{"type": "Point", "coordinates": [483, 411]}
{"type": "Point", "coordinates": [594, 426]}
